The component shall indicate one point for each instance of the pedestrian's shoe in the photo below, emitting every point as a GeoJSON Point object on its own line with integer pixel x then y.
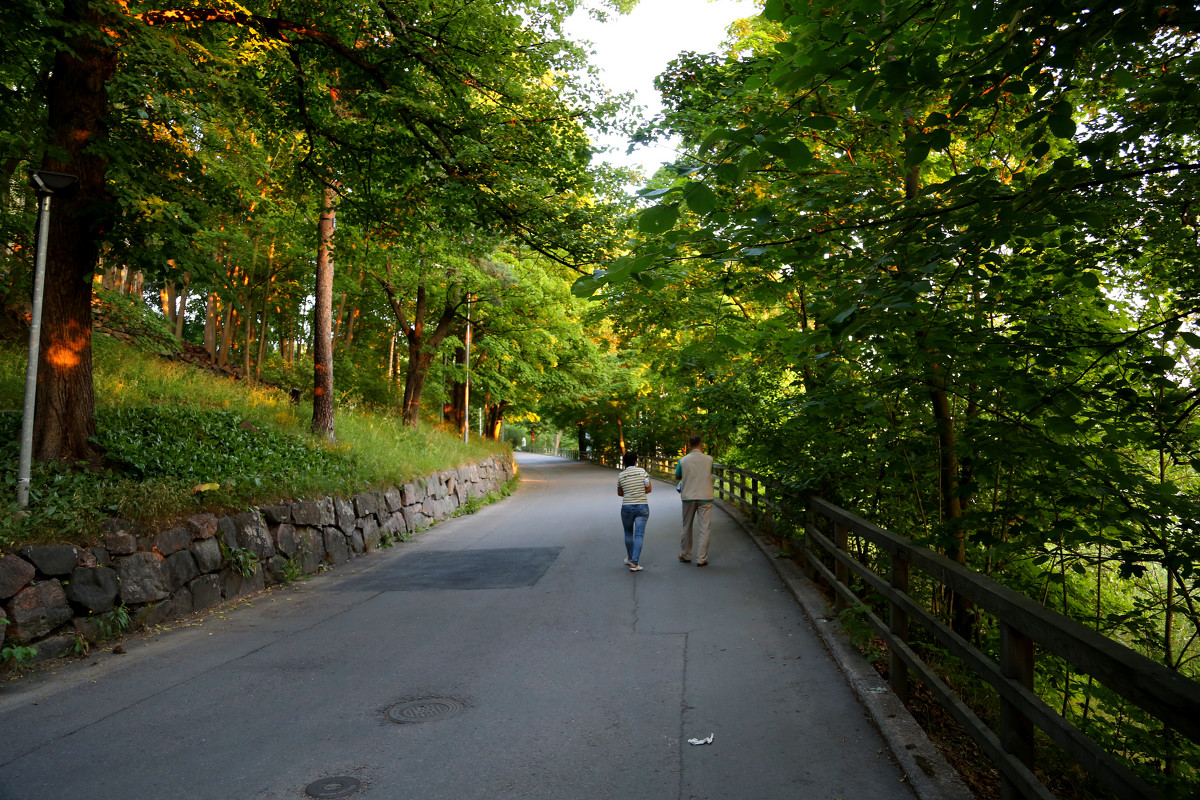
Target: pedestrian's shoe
{"type": "Point", "coordinates": [628, 563]}
{"type": "Point", "coordinates": [684, 559]}
{"type": "Point", "coordinates": [635, 568]}
{"type": "Point", "coordinates": [702, 563]}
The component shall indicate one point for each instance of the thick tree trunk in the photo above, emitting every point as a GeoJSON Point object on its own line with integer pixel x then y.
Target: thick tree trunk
{"type": "Point", "coordinates": [414, 383]}
{"type": "Point", "coordinates": [77, 105]}
{"type": "Point", "coordinates": [421, 347]}
{"type": "Point", "coordinates": [495, 418]}
{"type": "Point", "coordinates": [322, 422]}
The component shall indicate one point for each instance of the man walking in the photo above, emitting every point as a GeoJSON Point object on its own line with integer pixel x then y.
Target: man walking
{"type": "Point", "coordinates": [696, 489]}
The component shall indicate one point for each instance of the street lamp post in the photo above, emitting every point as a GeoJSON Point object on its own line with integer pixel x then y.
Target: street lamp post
{"type": "Point", "coordinates": [467, 380]}
{"type": "Point", "coordinates": [45, 184]}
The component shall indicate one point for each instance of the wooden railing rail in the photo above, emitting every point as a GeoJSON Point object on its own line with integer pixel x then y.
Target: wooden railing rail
{"type": "Point", "coordinates": [1025, 626]}
{"type": "Point", "coordinates": [1171, 697]}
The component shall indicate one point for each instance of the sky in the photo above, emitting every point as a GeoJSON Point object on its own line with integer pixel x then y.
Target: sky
{"type": "Point", "coordinates": [632, 49]}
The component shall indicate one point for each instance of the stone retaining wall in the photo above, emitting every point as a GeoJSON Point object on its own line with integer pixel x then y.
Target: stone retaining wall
{"type": "Point", "coordinates": [54, 594]}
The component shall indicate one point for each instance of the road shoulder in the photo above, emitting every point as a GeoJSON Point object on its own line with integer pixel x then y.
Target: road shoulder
{"type": "Point", "coordinates": [928, 773]}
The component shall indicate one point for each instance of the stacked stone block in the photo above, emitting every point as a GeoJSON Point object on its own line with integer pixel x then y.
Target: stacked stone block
{"type": "Point", "coordinates": [54, 594]}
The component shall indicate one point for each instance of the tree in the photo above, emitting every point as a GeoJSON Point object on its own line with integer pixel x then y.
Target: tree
{"type": "Point", "coordinates": [322, 422]}
{"type": "Point", "coordinates": [958, 234]}
{"type": "Point", "coordinates": [467, 98]}
{"type": "Point", "coordinates": [423, 344]}
{"type": "Point", "coordinates": [77, 107]}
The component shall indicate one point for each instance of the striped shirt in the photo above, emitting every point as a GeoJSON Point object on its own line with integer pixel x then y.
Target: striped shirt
{"type": "Point", "coordinates": [633, 482]}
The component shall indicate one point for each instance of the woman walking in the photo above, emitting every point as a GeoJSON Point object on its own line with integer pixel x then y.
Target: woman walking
{"type": "Point", "coordinates": [633, 484]}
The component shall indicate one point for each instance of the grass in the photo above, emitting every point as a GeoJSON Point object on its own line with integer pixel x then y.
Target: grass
{"type": "Point", "coordinates": [169, 428]}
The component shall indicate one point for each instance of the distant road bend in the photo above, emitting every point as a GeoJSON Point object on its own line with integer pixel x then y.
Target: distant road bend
{"type": "Point", "coordinates": [508, 654]}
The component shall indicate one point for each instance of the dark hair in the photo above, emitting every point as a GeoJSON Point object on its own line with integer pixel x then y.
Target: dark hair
{"type": "Point", "coordinates": [695, 441]}
{"type": "Point", "coordinates": [630, 459]}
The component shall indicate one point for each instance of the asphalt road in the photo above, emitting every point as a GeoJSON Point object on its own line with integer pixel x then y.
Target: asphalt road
{"type": "Point", "coordinates": [521, 658]}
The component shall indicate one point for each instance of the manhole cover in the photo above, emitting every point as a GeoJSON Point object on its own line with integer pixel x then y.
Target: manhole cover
{"type": "Point", "coordinates": [424, 710]}
{"type": "Point", "coordinates": [340, 786]}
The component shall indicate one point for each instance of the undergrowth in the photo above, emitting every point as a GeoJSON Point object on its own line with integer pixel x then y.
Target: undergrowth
{"type": "Point", "coordinates": [180, 440]}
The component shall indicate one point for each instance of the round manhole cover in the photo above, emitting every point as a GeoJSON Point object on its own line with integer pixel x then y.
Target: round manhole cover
{"type": "Point", "coordinates": [340, 786]}
{"type": "Point", "coordinates": [424, 710]}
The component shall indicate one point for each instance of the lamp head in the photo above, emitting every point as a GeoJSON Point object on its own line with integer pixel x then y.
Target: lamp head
{"type": "Point", "coordinates": [46, 182]}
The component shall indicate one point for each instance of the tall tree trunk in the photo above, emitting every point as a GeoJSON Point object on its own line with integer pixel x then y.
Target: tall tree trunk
{"type": "Point", "coordinates": [262, 329]}
{"type": "Point", "coordinates": [495, 418]}
{"type": "Point", "coordinates": [248, 334]}
{"type": "Point", "coordinates": [322, 421]}
{"type": "Point", "coordinates": [350, 326]}
{"type": "Point", "coordinates": [414, 383]}
{"type": "Point", "coordinates": [225, 341]}
{"type": "Point", "coordinates": [134, 287]}
{"type": "Point", "coordinates": [421, 347]}
{"type": "Point", "coordinates": [285, 327]}
{"type": "Point", "coordinates": [341, 313]}
{"type": "Point", "coordinates": [167, 297]}
{"type": "Point", "coordinates": [181, 314]}
{"type": "Point", "coordinates": [77, 105]}
{"type": "Point", "coordinates": [948, 465]}
{"type": "Point", "coordinates": [210, 326]}
{"type": "Point", "coordinates": [247, 299]}
{"type": "Point", "coordinates": [948, 469]}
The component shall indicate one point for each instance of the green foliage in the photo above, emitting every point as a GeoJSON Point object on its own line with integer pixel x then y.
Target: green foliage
{"type": "Point", "coordinates": [919, 262]}
{"type": "Point", "coordinates": [170, 428]}
{"type": "Point", "coordinates": [293, 570]}
{"type": "Point", "coordinates": [62, 500]}
{"type": "Point", "coordinates": [862, 636]}
{"type": "Point", "coordinates": [129, 315]}
{"type": "Point", "coordinates": [471, 505]}
{"type": "Point", "coordinates": [243, 560]}
{"type": "Point", "coordinates": [146, 443]}
{"type": "Point", "coordinates": [17, 654]}
{"type": "Point", "coordinates": [114, 622]}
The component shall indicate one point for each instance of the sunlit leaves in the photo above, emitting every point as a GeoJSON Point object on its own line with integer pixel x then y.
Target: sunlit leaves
{"type": "Point", "coordinates": [658, 219]}
{"type": "Point", "coordinates": [700, 198]}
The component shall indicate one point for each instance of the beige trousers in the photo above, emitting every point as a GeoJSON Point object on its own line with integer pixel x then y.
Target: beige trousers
{"type": "Point", "coordinates": [697, 514]}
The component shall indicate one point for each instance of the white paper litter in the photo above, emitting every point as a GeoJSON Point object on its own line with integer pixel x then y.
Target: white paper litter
{"type": "Point", "coordinates": [701, 741]}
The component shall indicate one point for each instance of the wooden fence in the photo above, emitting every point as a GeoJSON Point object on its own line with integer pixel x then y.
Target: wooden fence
{"type": "Point", "coordinates": [1026, 627]}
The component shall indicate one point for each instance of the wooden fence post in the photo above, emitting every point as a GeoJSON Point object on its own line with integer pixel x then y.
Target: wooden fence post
{"type": "Point", "coordinates": [1016, 729]}
{"type": "Point", "coordinates": [810, 518]}
{"type": "Point", "coordinates": [755, 505]}
{"type": "Point", "coordinates": [898, 623]}
{"type": "Point", "coordinates": [841, 538]}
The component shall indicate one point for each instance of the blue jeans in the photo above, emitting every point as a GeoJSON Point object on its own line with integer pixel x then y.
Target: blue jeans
{"type": "Point", "coordinates": [634, 517]}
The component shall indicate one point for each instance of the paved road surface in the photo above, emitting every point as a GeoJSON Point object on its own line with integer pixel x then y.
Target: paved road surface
{"type": "Point", "coordinates": [562, 676]}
